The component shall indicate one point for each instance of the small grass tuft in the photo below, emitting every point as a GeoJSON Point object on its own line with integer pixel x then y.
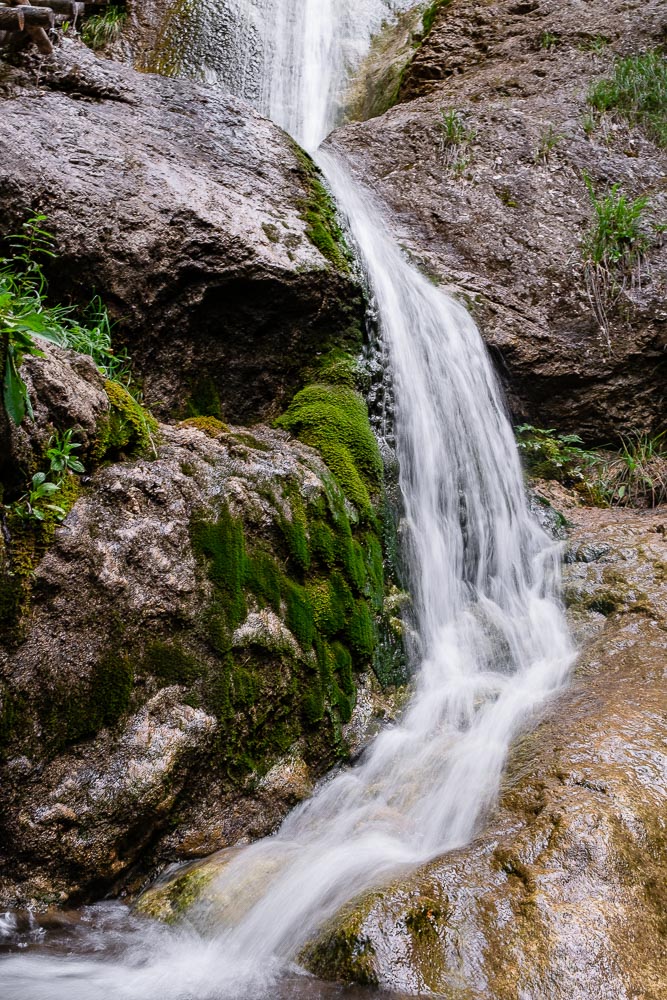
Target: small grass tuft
{"type": "Point", "coordinates": [101, 30]}
{"type": "Point", "coordinates": [613, 249]}
{"type": "Point", "coordinates": [455, 139]}
{"type": "Point", "coordinates": [638, 92]}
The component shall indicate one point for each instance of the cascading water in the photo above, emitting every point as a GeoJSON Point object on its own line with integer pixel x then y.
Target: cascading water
{"type": "Point", "coordinates": [485, 582]}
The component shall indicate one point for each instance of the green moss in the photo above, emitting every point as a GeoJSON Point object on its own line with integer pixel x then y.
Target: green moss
{"type": "Point", "coordinates": [128, 429]}
{"type": "Point", "coordinates": [319, 214]}
{"type": "Point", "coordinates": [299, 614]}
{"type": "Point", "coordinates": [78, 711]}
{"type": "Point", "coordinates": [264, 579]}
{"type": "Point", "coordinates": [295, 531]}
{"type": "Point", "coordinates": [334, 420]}
{"type": "Point", "coordinates": [360, 631]}
{"type": "Point", "coordinates": [171, 663]}
{"type": "Point", "coordinates": [222, 543]}
{"type": "Point", "coordinates": [210, 426]}
{"type": "Point", "coordinates": [430, 15]}
{"type": "Point", "coordinates": [204, 400]}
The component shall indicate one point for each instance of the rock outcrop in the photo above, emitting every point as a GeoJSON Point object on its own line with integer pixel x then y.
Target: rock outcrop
{"type": "Point", "coordinates": [563, 893]}
{"type": "Point", "coordinates": [499, 218]}
{"type": "Point", "coordinates": [200, 617]}
{"type": "Point", "coordinates": [202, 227]}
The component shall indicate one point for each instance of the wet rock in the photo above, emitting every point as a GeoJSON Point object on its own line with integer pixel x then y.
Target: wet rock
{"type": "Point", "coordinates": [499, 220]}
{"type": "Point", "coordinates": [562, 893]}
{"type": "Point", "coordinates": [164, 699]}
{"type": "Point", "coordinates": [193, 218]}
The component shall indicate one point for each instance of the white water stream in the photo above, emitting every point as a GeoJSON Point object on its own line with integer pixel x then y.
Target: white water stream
{"type": "Point", "coordinates": [485, 581]}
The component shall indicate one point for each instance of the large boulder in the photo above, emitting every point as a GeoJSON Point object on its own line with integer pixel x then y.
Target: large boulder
{"type": "Point", "coordinates": [499, 219]}
{"type": "Point", "coordinates": [200, 224]}
{"type": "Point", "coordinates": [562, 895]}
{"type": "Point", "coordinates": [185, 660]}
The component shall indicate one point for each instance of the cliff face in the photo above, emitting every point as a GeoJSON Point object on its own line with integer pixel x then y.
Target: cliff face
{"type": "Point", "coordinates": [482, 166]}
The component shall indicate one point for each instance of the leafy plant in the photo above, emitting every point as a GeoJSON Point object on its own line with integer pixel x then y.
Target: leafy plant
{"type": "Point", "coordinates": [613, 248]}
{"type": "Point", "coordinates": [34, 504]}
{"type": "Point", "coordinates": [637, 91]}
{"type": "Point", "coordinates": [103, 29]}
{"type": "Point", "coordinates": [22, 313]}
{"type": "Point", "coordinates": [550, 455]}
{"type": "Point", "coordinates": [638, 476]}
{"type": "Point", "coordinates": [60, 454]}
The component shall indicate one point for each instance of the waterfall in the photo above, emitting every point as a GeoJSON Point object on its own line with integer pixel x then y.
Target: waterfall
{"type": "Point", "coordinates": [485, 578]}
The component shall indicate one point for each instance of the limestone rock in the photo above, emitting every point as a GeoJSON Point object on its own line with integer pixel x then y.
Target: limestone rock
{"type": "Point", "coordinates": [191, 216]}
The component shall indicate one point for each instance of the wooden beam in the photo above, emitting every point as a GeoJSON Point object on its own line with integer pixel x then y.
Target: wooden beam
{"type": "Point", "coordinates": [21, 18]}
{"type": "Point", "coordinates": [69, 7]}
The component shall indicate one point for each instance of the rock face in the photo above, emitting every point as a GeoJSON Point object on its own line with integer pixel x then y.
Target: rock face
{"type": "Point", "coordinates": [500, 217]}
{"type": "Point", "coordinates": [201, 226]}
{"type": "Point", "coordinates": [181, 675]}
{"type": "Point", "coordinates": [563, 893]}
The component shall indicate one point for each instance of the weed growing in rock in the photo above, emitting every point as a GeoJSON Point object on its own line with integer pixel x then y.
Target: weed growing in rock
{"type": "Point", "coordinates": [548, 40]}
{"type": "Point", "coordinates": [638, 92]}
{"type": "Point", "coordinates": [634, 476]}
{"type": "Point", "coordinates": [103, 29]}
{"type": "Point", "coordinates": [637, 477]}
{"type": "Point", "coordinates": [60, 453]}
{"type": "Point", "coordinates": [613, 249]}
{"type": "Point", "coordinates": [455, 139]}
{"type": "Point", "coordinates": [597, 45]}
{"type": "Point", "coordinates": [549, 140]}
{"type": "Point", "coordinates": [589, 123]}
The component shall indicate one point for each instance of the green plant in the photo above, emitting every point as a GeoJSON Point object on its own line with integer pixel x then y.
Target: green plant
{"type": "Point", "coordinates": [26, 318]}
{"type": "Point", "coordinates": [34, 504]}
{"type": "Point", "coordinates": [22, 314]}
{"type": "Point", "coordinates": [550, 455]}
{"type": "Point", "coordinates": [103, 29]}
{"type": "Point", "coordinates": [549, 140]}
{"type": "Point", "coordinates": [455, 139]}
{"type": "Point", "coordinates": [548, 40]}
{"type": "Point", "coordinates": [60, 454]}
{"type": "Point", "coordinates": [589, 123]}
{"type": "Point", "coordinates": [596, 45]}
{"type": "Point", "coordinates": [637, 91]}
{"type": "Point", "coordinates": [613, 248]}
{"type": "Point", "coordinates": [638, 475]}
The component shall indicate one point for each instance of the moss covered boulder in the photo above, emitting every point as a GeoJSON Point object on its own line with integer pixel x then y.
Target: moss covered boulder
{"type": "Point", "coordinates": [189, 658]}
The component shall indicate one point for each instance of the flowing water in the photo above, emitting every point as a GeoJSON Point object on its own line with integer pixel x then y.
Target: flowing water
{"type": "Point", "coordinates": [492, 639]}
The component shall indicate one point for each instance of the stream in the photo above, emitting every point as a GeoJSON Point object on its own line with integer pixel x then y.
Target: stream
{"type": "Point", "coordinates": [492, 642]}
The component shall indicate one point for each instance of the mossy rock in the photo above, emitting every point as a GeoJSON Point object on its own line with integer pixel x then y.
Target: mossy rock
{"type": "Point", "coordinates": [129, 429]}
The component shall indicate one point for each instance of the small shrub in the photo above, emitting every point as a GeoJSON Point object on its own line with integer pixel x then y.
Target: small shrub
{"type": "Point", "coordinates": [549, 455]}
{"type": "Point", "coordinates": [596, 45]}
{"type": "Point", "coordinates": [638, 92]}
{"type": "Point", "coordinates": [103, 29]}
